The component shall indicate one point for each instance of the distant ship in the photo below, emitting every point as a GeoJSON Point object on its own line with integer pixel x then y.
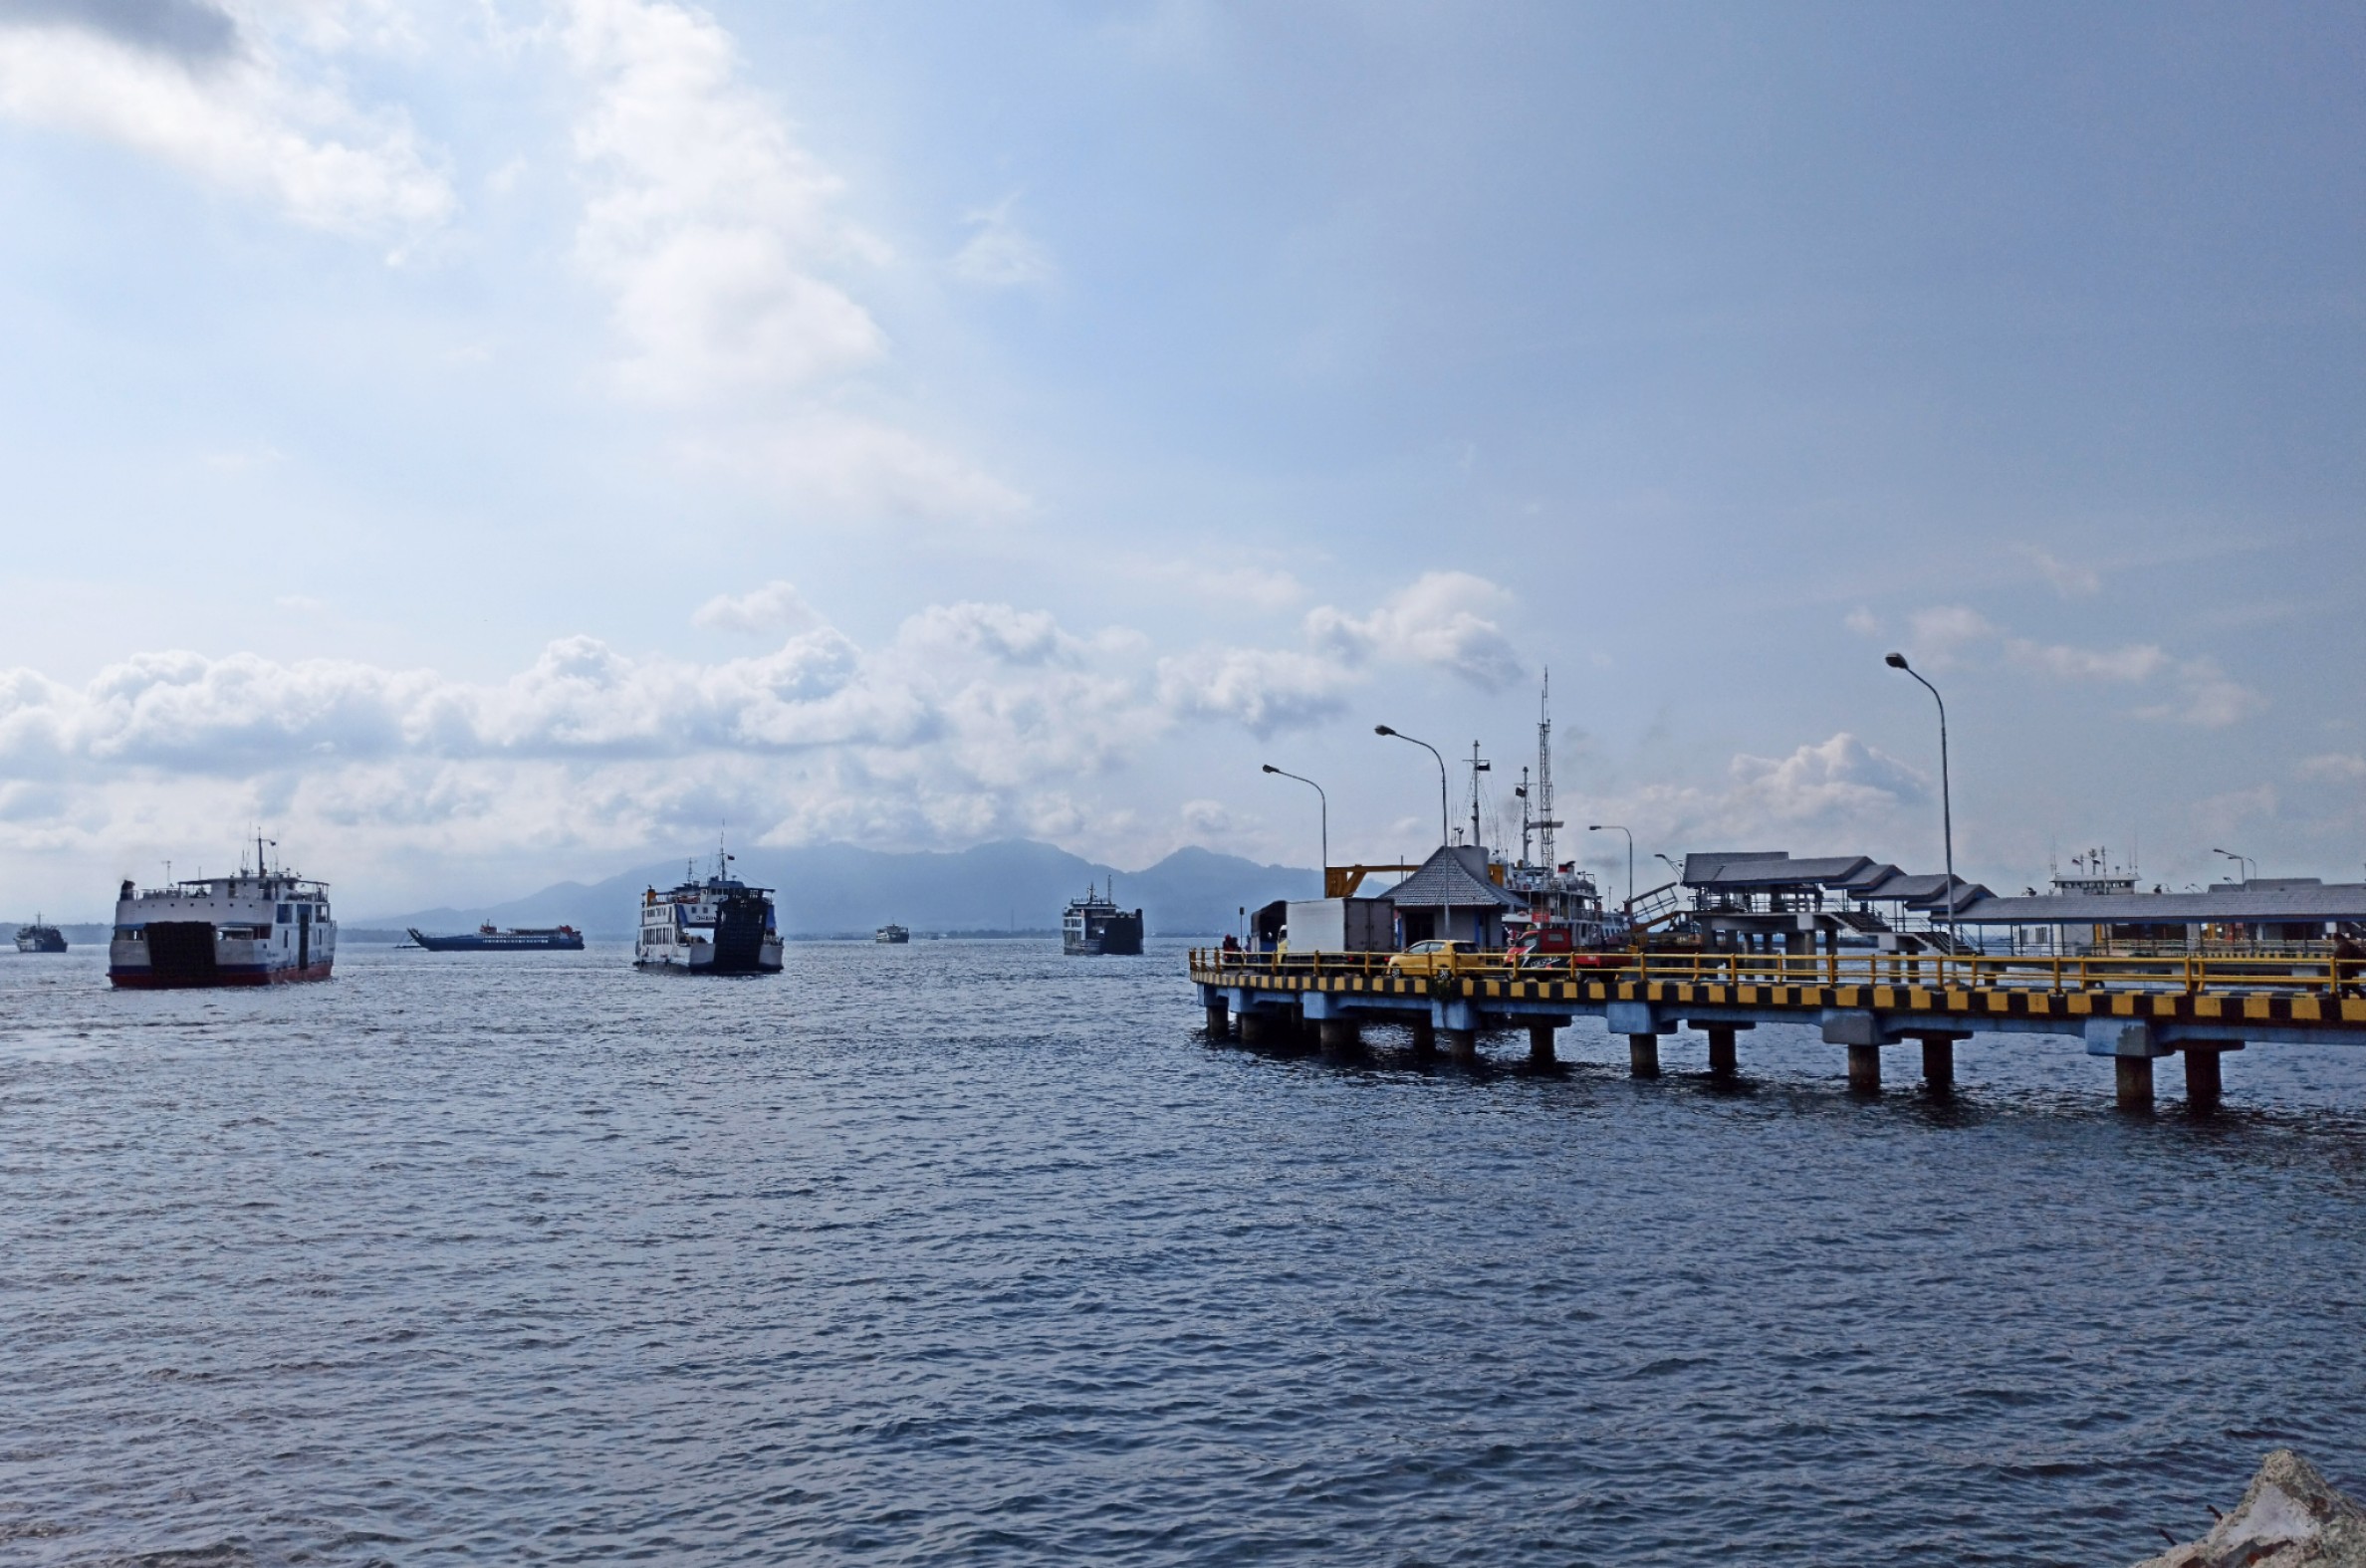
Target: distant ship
{"type": "Point", "coordinates": [893, 934]}
{"type": "Point", "coordinates": [720, 926]}
{"type": "Point", "coordinates": [40, 938]}
{"type": "Point", "coordinates": [262, 928]}
{"type": "Point", "coordinates": [1094, 925]}
{"type": "Point", "coordinates": [488, 939]}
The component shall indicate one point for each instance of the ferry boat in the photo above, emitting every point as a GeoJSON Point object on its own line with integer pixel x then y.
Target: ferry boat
{"type": "Point", "coordinates": [40, 937]}
{"type": "Point", "coordinates": [893, 933]}
{"type": "Point", "coordinates": [261, 928]}
{"type": "Point", "coordinates": [1094, 924]}
{"type": "Point", "coordinates": [719, 926]}
{"type": "Point", "coordinates": [489, 938]}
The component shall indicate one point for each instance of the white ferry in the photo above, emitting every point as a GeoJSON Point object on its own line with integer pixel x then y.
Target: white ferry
{"type": "Point", "coordinates": [719, 926]}
{"type": "Point", "coordinates": [260, 928]}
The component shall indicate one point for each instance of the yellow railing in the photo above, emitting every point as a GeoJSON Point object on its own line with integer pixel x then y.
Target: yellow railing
{"type": "Point", "coordinates": [2192, 974]}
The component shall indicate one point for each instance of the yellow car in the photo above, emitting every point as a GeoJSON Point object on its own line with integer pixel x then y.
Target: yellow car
{"type": "Point", "coordinates": [1433, 958]}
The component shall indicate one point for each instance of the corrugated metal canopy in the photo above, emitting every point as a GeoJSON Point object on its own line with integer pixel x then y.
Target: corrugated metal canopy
{"type": "Point", "coordinates": [2325, 901]}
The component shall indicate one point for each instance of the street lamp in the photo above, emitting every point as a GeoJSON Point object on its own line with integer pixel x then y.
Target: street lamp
{"type": "Point", "coordinates": [1897, 661]}
{"type": "Point", "coordinates": [1444, 835]}
{"type": "Point", "coordinates": [1669, 864]}
{"type": "Point", "coordinates": [2243, 863]}
{"type": "Point", "coordinates": [1613, 827]}
{"type": "Point", "coordinates": [1326, 799]}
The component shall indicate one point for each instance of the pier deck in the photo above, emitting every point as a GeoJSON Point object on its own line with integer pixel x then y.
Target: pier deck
{"type": "Point", "coordinates": [2133, 1009]}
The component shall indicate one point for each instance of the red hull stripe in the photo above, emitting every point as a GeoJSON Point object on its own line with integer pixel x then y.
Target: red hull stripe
{"type": "Point", "coordinates": [148, 979]}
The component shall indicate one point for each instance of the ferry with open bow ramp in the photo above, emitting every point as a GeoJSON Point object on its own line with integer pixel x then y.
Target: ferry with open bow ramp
{"type": "Point", "coordinates": [262, 928]}
{"type": "Point", "coordinates": [1096, 925]}
{"type": "Point", "coordinates": [718, 926]}
{"type": "Point", "coordinates": [489, 938]}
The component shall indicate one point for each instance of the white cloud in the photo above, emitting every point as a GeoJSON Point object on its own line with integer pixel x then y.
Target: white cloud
{"type": "Point", "coordinates": [1940, 634]}
{"type": "Point", "coordinates": [2136, 662]}
{"type": "Point", "coordinates": [1264, 691]}
{"type": "Point", "coordinates": [1830, 783]}
{"type": "Point", "coordinates": [2069, 580]}
{"type": "Point", "coordinates": [775, 607]}
{"type": "Point", "coordinates": [2333, 767]}
{"type": "Point", "coordinates": [707, 222]}
{"type": "Point", "coordinates": [1863, 623]}
{"type": "Point", "coordinates": [255, 112]}
{"type": "Point", "coordinates": [825, 462]}
{"type": "Point", "coordinates": [999, 254]}
{"type": "Point", "coordinates": [2208, 698]}
{"type": "Point", "coordinates": [1443, 620]}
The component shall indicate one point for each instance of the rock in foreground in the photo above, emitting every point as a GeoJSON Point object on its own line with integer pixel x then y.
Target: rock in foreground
{"type": "Point", "coordinates": [2288, 1519]}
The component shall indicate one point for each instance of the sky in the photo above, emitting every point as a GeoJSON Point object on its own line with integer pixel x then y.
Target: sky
{"type": "Point", "coordinates": [479, 443]}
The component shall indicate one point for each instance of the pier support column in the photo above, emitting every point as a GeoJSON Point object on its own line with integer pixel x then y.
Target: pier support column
{"type": "Point", "coordinates": [1541, 1045]}
{"type": "Point", "coordinates": [2133, 1078]}
{"type": "Point", "coordinates": [1425, 1039]}
{"type": "Point", "coordinates": [1723, 1060]}
{"type": "Point", "coordinates": [1643, 1055]}
{"type": "Point", "coordinates": [1865, 1070]}
{"type": "Point", "coordinates": [1219, 1021]}
{"type": "Point", "coordinates": [1339, 1037]}
{"type": "Point", "coordinates": [1939, 1064]}
{"type": "Point", "coordinates": [1462, 1046]}
{"type": "Point", "coordinates": [1254, 1028]}
{"type": "Point", "coordinates": [2204, 1084]}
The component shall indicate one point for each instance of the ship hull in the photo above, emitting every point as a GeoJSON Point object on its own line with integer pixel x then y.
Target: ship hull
{"type": "Point", "coordinates": [700, 960]}
{"type": "Point", "coordinates": [52, 943]}
{"type": "Point", "coordinates": [473, 944]}
{"type": "Point", "coordinates": [223, 975]}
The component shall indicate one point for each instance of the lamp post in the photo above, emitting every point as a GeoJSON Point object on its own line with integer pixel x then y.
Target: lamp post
{"type": "Point", "coordinates": [1613, 827]}
{"type": "Point", "coordinates": [1897, 661]}
{"type": "Point", "coordinates": [2243, 863]}
{"type": "Point", "coordinates": [1326, 799]}
{"type": "Point", "coordinates": [1669, 864]}
{"type": "Point", "coordinates": [1444, 835]}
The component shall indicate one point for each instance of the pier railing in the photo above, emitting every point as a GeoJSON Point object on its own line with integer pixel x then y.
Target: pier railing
{"type": "Point", "coordinates": [2192, 974]}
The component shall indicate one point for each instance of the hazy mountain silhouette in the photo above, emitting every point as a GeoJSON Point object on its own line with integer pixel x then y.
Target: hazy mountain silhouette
{"type": "Point", "coordinates": [827, 889]}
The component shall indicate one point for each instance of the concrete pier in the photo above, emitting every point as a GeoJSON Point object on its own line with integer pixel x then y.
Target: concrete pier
{"type": "Point", "coordinates": [1643, 1055]}
{"type": "Point", "coordinates": [1541, 1045]}
{"type": "Point", "coordinates": [2205, 1087]}
{"type": "Point", "coordinates": [2132, 1078]}
{"type": "Point", "coordinates": [1219, 1021]}
{"type": "Point", "coordinates": [1939, 1064]}
{"type": "Point", "coordinates": [1461, 1045]}
{"type": "Point", "coordinates": [1723, 1060]}
{"type": "Point", "coordinates": [1339, 1037]}
{"type": "Point", "coordinates": [1865, 1070]}
{"type": "Point", "coordinates": [1425, 1038]}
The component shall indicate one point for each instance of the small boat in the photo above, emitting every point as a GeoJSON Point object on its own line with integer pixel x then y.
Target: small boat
{"type": "Point", "coordinates": [1094, 925]}
{"type": "Point", "coordinates": [40, 937]}
{"type": "Point", "coordinates": [893, 933]}
{"type": "Point", "coordinates": [487, 938]}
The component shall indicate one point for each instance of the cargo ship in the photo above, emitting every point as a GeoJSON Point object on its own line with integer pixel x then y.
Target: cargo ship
{"type": "Point", "coordinates": [259, 927]}
{"type": "Point", "coordinates": [892, 934]}
{"type": "Point", "coordinates": [40, 937]}
{"type": "Point", "coordinates": [488, 938]}
{"type": "Point", "coordinates": [718, 926]}
{"type": "Point", "coordinates": [1096, 925]}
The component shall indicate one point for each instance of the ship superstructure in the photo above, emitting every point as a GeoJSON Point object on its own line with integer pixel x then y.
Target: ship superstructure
{"type": "Point", "coordinates": [253, 927]}
{"type": "Point", "coordinates": [716, 926]}
{"type": "Point", "coordinates": [1094, 924]}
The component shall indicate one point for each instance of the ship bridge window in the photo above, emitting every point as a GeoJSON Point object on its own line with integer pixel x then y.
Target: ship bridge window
{"type": "Point", "coordinates": [287, 914]}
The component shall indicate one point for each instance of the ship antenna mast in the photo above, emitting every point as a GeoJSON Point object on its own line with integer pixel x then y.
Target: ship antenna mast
{"type": "Point", "coordinates": [1545, 825]}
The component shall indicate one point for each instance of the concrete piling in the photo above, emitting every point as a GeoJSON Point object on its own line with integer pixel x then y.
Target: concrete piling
{"type": "Point", "coordinates": [1425, 1038]}
{"type": "Point", "coordinates": [2133, 1080]}
{"type": "Point", "coordinates": [1541, 1045]}
{"type": "Point", "coordinates": [2205, 1087]}
{"type": "Point", "coordinates": [1461, 1045]}
{"type": "Point", "coordinates": [1339, 1037]}
{"type": "Point", "coordinates": [1723, 1060]}
{"type": "Point", "coordinates": [1643, 1055]}
{"type": "Point", "coordinates": [1865, 1070]}
{"type": "Point", "coordinates": [1219, 1021]}
{"type": "Point", "coordinates": [1939, 1064]}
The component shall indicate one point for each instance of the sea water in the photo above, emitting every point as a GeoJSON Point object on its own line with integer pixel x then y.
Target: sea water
{"type": "Point", "coordinates": [966, 1252]}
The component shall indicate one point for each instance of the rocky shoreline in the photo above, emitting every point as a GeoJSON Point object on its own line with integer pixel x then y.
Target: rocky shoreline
{"type": "Point", "coordinates": [2289, 1518]}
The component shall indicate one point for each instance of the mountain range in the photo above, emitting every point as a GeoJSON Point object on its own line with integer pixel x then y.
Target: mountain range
{"type": "Point", "coordinates": [842, 890]}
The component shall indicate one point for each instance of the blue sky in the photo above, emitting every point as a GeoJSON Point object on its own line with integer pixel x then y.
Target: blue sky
{"type": "Point", "coordinates": [489, 442]}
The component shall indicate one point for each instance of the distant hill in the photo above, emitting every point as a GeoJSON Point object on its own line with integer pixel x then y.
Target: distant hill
{"type": "Point", "coordinates": [838, 889]}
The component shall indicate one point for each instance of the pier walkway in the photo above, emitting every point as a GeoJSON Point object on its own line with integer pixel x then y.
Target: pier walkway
{"type": "Point", "coordinates": [2132, 1009]}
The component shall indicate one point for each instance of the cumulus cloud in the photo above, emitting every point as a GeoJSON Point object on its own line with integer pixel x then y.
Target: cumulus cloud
{"type": "Point", "coordinates": [2069, 580]}
{"type": "Point", "coordinates": [258, 113]}
{"type": "Point", "coordinates": [1941, 634]}
{"type": "Point", "coordinates": [1829, 782]}
{"type": "Point", "coordinates": [2333, 767]}
{"type": "Point", "coordinates": [1444, 619]}
{"type": "Point", "coordinates": [777, 606]}
{"type": "Point", "coordinates": [2208, 697]}
{"type": "Point", "coordinates": [708, 223]}
{"type": "Point", "coordinates": [1264, 691]}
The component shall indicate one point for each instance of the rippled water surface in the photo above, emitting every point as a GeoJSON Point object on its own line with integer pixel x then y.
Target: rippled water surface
{"type": "Point", "coordinates": [967, 1252]}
